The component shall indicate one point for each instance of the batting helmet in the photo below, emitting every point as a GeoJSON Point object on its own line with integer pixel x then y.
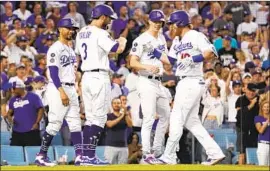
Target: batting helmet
{"type": "Point", "coordinates": [157, 15]}
{"type": "Point", "coordinates": [67, 23]}
{"type": "Point", "coordinates": [180, 18]}
{"type": "Point", "coordinates": [103, 9]}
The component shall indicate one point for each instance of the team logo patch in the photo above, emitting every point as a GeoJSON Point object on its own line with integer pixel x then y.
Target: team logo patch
{"type": "Point", "coordinates": [53, 55]}
{"type": "Point", "coordinates": [52, 60]}
{"type": "Point", "coordinates": [134, 49]}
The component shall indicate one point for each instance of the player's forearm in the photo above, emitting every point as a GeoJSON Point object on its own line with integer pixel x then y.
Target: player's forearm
{"type": "Point", "coordinates": [122, 45]}
{"type": "Point", "coordinates": [208, 55]}
{"type": "Point", "coordinates": [54, 75]}
{"type": "Point", "coordinates": [39, 115]}
{"type": "Point", "coordinates": [137, 65]}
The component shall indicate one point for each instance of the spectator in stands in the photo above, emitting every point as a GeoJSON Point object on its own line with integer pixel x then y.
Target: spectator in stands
{"type": "Point", "coordinates": [22, 12]}
{"type": "Point", "coordinates": [227, 53]}
{"type": "Point", "coordinates": [215, 14]}
{"type": "Point", "coordinates": [196, 22]}
{"type": "Point", "coordinates": [8, 17]}
{"type": "Point", "coordinates": [246, 26]}
{"type": "Point", "coordinates": [17, 26]}
{"type": "Point", "coordinates": [213, 112]}
{"type": "Point", "coordinates": [247, 107]}
{"type": "Point", "coordinates": [56, 13]}
{"type": "Point", "coordinates": [262, 13]}
{"type": "Point", "coordinates": [116, 151]}
{"type": "Point", "coordinates": [29, 69]}
{"type": "Point", "coordinates": [262, 123]}
{"type": "Point", "coordinates": [20, 73]}
{"type": "Point", "coordinates": [222, 32]}
{"type": "Point", "coordinates": [37, 10]}
{"type": "Point", "coordinates": [72, 13]}
{"type": "Point", "coordinates": [256, 78]}
{"type": "Point", "coordinates": [134, 149]}
{"type": "Point", "coordinates": [4, 81]}
{"type": "Point", "coordinates": [116, 83]}
{"type": "Point", "coordinates": [25, 113]}
{"type": "Point", "coordinates": [241, 60]}
{"type": "Point", "coordinates": [225, 20]}
{"type": "Point", "coordinates": [237, 8]}
{"type": "Point", "coordinates": [42, 64]}
{"type": "Point", "coordinates": [119, 25]}
{"type": "Point", "coordinates": [261, 48]}
{"type": "Point", "coordinates": [123, 69]}
{"type": "Point", "coordinates": [18, 47]}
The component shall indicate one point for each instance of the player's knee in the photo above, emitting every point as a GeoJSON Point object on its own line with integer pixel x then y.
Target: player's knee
{"type": "Point", "coordinates": [53, 128]}
{"type": "Point", "coordinates": [100, 121]}
{"type": "Point", "coordinates": [75, 128]}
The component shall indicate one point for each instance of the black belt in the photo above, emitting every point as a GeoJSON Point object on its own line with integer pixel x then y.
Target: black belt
{"type": "Point", "coordinates": [159, 78]}
{"type": "Point", "coordinates": [69, 84]}
{"type": "Point", "coordinates": [264, 142]}
{"type": "Point", "coordinates": [96, 70]}
{"type": "Point", "coordinates": [180, 77]}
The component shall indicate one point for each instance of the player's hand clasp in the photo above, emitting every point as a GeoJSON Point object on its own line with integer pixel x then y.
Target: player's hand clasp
{"type": "Point", "coordinates": [64, 98]}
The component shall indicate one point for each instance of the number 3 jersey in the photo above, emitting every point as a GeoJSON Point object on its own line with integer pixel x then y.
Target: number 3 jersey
{"type": "Point", "coordinates": [192, 43]}
{"type": "Point", "coordinates": [63, 57]}
{"type": "Point", "coordinates": [93, 45]}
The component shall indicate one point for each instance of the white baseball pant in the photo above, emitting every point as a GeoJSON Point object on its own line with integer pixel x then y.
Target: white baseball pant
{"type": "Point", "coordinates": [263, 154]}
{"type": "Point", "coordinates": [154, 101]}
{"type": "Point", "coordinates": [96, 93]}
{"type": "Point", "coordinates": [58, 112]}
{"type": "Point", "coordinates": [185, 113]}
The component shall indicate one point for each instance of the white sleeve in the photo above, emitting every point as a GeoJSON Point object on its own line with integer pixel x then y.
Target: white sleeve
{"type": "Point", "coordinates": [239, 30]}
{"type": "Point", "coordinates": [53, 56]}
{"type": "Point", "coordinates": [77, 51]}
{"type": "Point", "coordinates": [105, 41]}
{"type": "Point", "coordinates": [137, 48]}
{"type": "Point", "coordinates": [205, 44]}
{"type": "Point", "coordinates": [173, 50]}
{"type": "Point", "coordinates": [264, 53]}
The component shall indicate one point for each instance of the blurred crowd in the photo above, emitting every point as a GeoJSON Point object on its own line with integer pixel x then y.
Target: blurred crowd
{"type": "Point", "coordinates": [238, 81]}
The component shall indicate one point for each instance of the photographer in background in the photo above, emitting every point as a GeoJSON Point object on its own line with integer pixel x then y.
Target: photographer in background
{"type": "Point", "coordinates": [247, 107]}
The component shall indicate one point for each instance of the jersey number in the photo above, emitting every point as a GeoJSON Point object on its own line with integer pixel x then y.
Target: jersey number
{"type": "Point", "coordinates": [185, 55]}
{"type": "Point", "coordinates": [85, 50]}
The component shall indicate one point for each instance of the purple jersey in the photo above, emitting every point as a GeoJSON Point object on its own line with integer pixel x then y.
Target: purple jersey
{"type": "Point", "coordinates": [266, 135]}
{"type": "Point", "coordinates": [25, 111]}
{"type": "Point", "coordinates": [31, 19]}
{"type": "Point", "coordinates": [4, 78]}
{"type": "Point", "coordinates": [8, 19]}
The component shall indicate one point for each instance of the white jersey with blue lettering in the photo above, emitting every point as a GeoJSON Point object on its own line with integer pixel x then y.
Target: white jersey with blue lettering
{"type": "Point", "coordinates": [93, 45]}
{"type": "Point", "coordinates": [192, 43]}
{"type": "Point", "coordinates": [64, 58]}
{"type": "Point", "coordinates": [143, 47]}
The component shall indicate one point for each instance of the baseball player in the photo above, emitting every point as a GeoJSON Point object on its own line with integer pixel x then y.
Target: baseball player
{"type": "Point", "coordinates": [152, 94]}
{"type": "Point", "coordinates": [190, 51]}
{"type": "Point", "coordinates": [93, 44]}
{"type": "Point", "coordinates": [61, 93]}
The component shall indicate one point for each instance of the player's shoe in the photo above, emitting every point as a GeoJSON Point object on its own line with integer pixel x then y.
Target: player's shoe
{"type": "Point", "coordinates": [150, 159]}
{"type": "Point", "coordinates": [95, 161]}
{"type": "Point", "coordinates": [78, 160]}
{"type": "Point", "coordinates": [42, 160]}
{"type": "Point", "coordinates": [209, 162]}
{"type": "Point", "coordinates": [165, 160]}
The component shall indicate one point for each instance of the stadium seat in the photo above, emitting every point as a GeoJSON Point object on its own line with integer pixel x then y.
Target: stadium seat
{"type": "Point", "coordinates": [231, 141]}
{"type": "Point", "coordinates": [61, 150]}
{"type": "Point", "coordinates": [13, 155]}
{"type": "Point", "coordinates": [251, 156]}
{"type": "Point", "coordinates": [57, 140]}
{"type": "Point", "coordinates": [31, 152]}
{"type": "Point", "coordinates": [100, 152]}
{"type": "Point", "coordinates": [5, 138]}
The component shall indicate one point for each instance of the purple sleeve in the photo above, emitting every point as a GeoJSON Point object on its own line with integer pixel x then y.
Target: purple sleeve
{"type": "Point", "coordinates": [10, 104]}
{"type": "Point", "coordinates": [115, 47]}
{"type": "Point", "coordinates": [172, 60]}
{"type": "Point", "coordinates": [109, 117]}
{"type": "Point", "coordinates": [38, 102]}
{"type": "Point", "coordinates": [257, 119]}
{"type": "Point", "coordinates": [54, 75]}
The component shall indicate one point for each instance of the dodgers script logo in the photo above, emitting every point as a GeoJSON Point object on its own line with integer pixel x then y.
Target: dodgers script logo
{"type": "Point", "coordinates": [182, 46]}
{"type": "Point", "coordinates": [67, 60]}
{"type": "Point", "coordinates": [160, 48]}
{"type": "Point", "coordinates": [20, 103]}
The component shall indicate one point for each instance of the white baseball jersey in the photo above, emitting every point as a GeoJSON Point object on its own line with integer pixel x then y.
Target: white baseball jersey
{"type": "Point", "coordinates": [143, 47]}
{"type": "Point", "coordinates": [193, 43]}
{"type": "Point", "coordinates": [93, 45]}
{"type": "Point", "coordinates": [64, 58]}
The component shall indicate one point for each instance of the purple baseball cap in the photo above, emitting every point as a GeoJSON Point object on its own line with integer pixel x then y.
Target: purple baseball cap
{"type": "Point", "coordinates": [256, 56]}
{"type": "Point", "coordinates": [235, 83]}
{"type": "Point", "coordinates": [40, 79]}
{"type": "Point", "coordinates": [226, 37]}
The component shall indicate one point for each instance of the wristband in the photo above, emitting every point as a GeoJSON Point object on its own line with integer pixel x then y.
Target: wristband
{"type": "Point", "coordinates": [198, 58]}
